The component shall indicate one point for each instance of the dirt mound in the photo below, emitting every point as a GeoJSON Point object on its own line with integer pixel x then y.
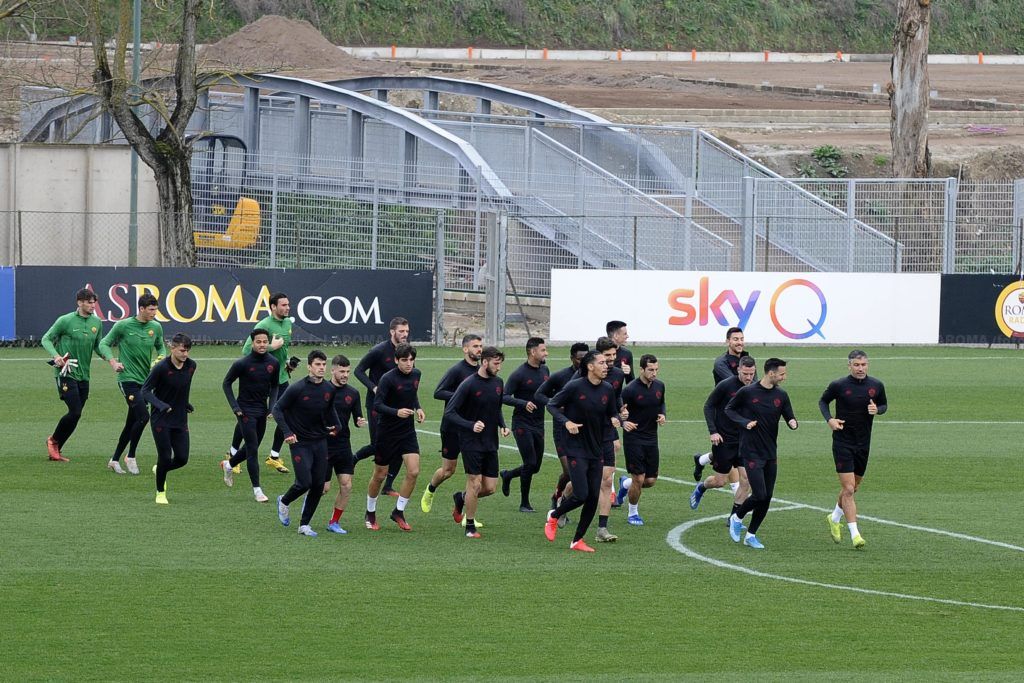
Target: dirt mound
{"type": "Point", "coordinates": [1001, 163]}
{"type": "Point", "coordinates": [274, 43]}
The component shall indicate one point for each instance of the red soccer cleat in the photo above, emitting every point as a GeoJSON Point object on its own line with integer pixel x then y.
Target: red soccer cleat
{"type": "Point", "coordinates": [472, 534]}
{"type": "Point", "coordinates": [581, 546]}
{"type": "Point", "coordinates": [371, 522]}
{"type": "Point", "coordinates": [551, 527]}
{"type": "Point", "coordinates": [53, 451]}
{"type": "Point", "coordinates": [399, 519]}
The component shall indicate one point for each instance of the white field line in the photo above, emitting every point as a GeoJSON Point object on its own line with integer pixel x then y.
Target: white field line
{"type": "Point", "coordinates": [454, 359]}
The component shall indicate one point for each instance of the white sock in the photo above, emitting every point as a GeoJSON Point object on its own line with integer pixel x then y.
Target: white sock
{"type": "Point", "coordinates": [735, 485]}
{"type": "Point", "coordinates": [634, 509]}
{"type": "Point", "coordinates": [371, 504]}
{"type": "Point", "coordinates": [402, 502]}
{"type": "Point", "coordinates": [233, 451]}
{"type": "Point", "coordinates": [626, 483]}
{"type": "Point", "coordinates": [276, 455]}
{"type": "Point", "coordinates": [705, 459]}
{"type": "Point", "coordinates": [837, 514]}
{"type": "Point", "coordinates": [257, 490]}
{"type": "Point", "coordinates": [853, 528]}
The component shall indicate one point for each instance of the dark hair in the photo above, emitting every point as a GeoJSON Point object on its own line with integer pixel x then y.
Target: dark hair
{"type": "Point", "coordinates": [404, 350]}
{"type": "Point", "coordinates": [647, 359]}
{"type": "Point", "coordinates": [277, 296]}
{"type": "Point", "coordinates": [533, 342]}
{"type": "Point", "coordinates": [85, 294]}
{"type": "Point", "coordinates": [747, 362]}
{"type": "Point", "coordinates": [257, 332]}
{"type": "Point", "coordinates": [395, 322]}
{"type": "Point", "coordinates": [316, 354]}
{"type": "Point", "coordinates": [181, 339]}
{"type": "Point", "coordinates": [469, 338]}
{"type": "Point", "coordinates": [576, 348]}
{"type": "Point", "coordinates": [613, 326]}
{"type": "Point", "coordinates": [589, 358]}
{"type": "Point", "coordinates": [491, 352]}
{"type": "Point", "coordinates": [857, 353]}
{"type": "Point", "coordinates": [731, 331]}
{"type": "Point", "coordinates": [148, 300]}
{"type": "Point", "coordinates": [773, 364]}
{"type": "Point", "coordinates": [341, 361]}
{"type": "Point", "coordinates": [604, 343]}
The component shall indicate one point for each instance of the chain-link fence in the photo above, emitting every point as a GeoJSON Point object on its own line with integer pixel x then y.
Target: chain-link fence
{"type": "Point", "coordinates": [46, 238]}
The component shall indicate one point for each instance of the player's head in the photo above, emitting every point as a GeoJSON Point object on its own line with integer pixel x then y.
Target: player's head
{"type": "Point", "coordinates": [606, 346]}
{"type": "Point", "coordinates": [341, 366]}
{"type": "Point", "coordinates": [734, 340]}
{"type": "Point", "coordinates": [616, 329]}
{"type": "Point", "coordinates": [577, 352]}
{"type": "Point", "coordinates": [398, 328]}
{"type": "Point", "coordinates": [317, 363]}
{"type": "Point", "coordinates": [775, 371]}
{"type": "Point", "coordinates": [405, 357]}
{"type": "Point", "coordinates": [85, 299]}
{"type": "Point", "coordinates": [536, 351]}
{"type": "Point", "coordinates": [858, 364]}
{"type": "Point", "coordinates": [747, 369]}
{"type": "Point", "coordinates": [280, 307]}
{"type": "Point", "coordinates": [649, 367]}
{"type": "Point", "coordinates": [491, 359]}
{"type": "Point", "coordinates": [181, 344]}
{"type": "Point", "coordinates": [148, 307]}
{"type": "Point", "coordinates": [472, 345]}
{"type": "Point", "coordinates": [260, 340]}
{"type": "Point", "coordinates": [595, 364]}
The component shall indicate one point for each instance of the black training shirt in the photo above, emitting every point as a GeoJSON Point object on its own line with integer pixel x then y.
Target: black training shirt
{"type": "Point", "coordinates": [590, 405]}
{"type": "Point", "coordinates": [714, 410]}
{"type": "Point", "coordinates": [645, 404]}
{"type": "Point", "coordinates": [477, 399]}
{"type": "Point", "coordinates": [397, 390]}
{"type": "Point", "coordinates": [377, 361]}
{"type": "Point", "coordinates": [851, 397]}
{"type": "Point", "coordinates": [306, 409]}
{"type": "Point", "coordinates": [258, 381]}
{"type": "Point", "coordinates": [754, 402]}
{"type": "Point", "coordinates": [168, 387]}
{"type": "Point", "coordinates": [520, 389]}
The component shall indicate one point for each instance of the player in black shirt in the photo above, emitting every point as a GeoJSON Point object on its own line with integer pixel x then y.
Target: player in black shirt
{"type": "Point", "coordinates": [725, 437]}
{"type": "Point", "coordinates": [257, 374]}
{"type": "Point", "coordinates": [644, 401]}
{"type": "Point", "coordinates": [616, 378]}
{"type": "Point", "coordinates": [472, 346]}
{"type": "Point", "coordinates": [167, 391]}
{"type": "Point", "coordinates": [396, 403]}
{"type": "Point", "coordinates": [377, 361]}
{"type": "Point", "coordinates": [616, 330]}
{"type": "Point", "coordinates": [725, 366]}
{"type": "Point", "coordinates": [305, 413]}
{"type": "Point", "coordinates": [858, 399]}
{"type": "Point", "coordinates": [527, 419]}
{"type": "Point", "coordinates": [757, 408]}
{"type": "Point", "coordinates": [584, 407]}
{"type": "Point", "coordinates": [475, 410]}
{"type": "Point", "coordinates": [340, 459]}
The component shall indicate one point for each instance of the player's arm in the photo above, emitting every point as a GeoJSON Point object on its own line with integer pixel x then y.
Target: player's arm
{"type": "Point", "coordinates": [714, 398]}
{"type": "Point", "coordinates": [381, 396]}
{"type": "Point", "coordinates": [451, 411]}
{"type": "Point", "coordinates": [446, 387]}
{"type": "Point", "coordinates": [545, 391]}
{"type": "Point", "coordinates": [275, 386]}
{"type": "Point", "coordinates": [150, 387]}
{"type": "Point", "coordinates": [882, 403]}
{"type": "Point", "coordinates": [111, 339]}
{"type": "Point", "coordinates": [556, 406]}
{"type": "Point", "coordinates": [52, 336]}
{"type": "Point", "coordinates": [158, 343]}
{"type": "Point", "coordinates": [357, 410]}
{"type": "Point", "coordinates": [284, 402]}
{"type": "Point", "coordinates": [364, 364]}
{"type": "Point", "coordinates": [788, 415]}
{"type": "Point", "coordinates": [721, 370]}
{"type": "Point", "coordinates": [662, 409]}
{"type": "Point", "coordinates": [734, 407]}
{"type": "Point", "coordinates": [501, 415]}
{"type": "Point", "coordinates": [233, 373]}
{"type": "Point", "coordinates": [508, 397]}
{"type": "Point", "coordinates": [827, 397]}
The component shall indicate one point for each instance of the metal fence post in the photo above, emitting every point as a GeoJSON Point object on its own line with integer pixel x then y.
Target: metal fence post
{"type": "Point", "coordinates": [494, 288]}
{"type": "Point", "coordinates": [949, 233]}
{"type": "Point", "coordinates": [375, 228]}
{"type": "Point", "coordinates": [1018, 222]}
{"type": "Point", "coordinates": [273, 214]}
{"type": "Point", "coordinates": [17, 227]}
{"type": "Point", "coordinates": [439, 280]}
{"type": "Point", "coordinates": [851, 209]}
{"type": "Point", "coordinates": [749, 233]}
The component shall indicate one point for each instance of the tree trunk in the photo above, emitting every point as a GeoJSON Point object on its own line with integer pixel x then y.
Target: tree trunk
{"type": "Point", "coordinates": [174, 189]}
{"type": "Point", "coordinates": [908, 91]}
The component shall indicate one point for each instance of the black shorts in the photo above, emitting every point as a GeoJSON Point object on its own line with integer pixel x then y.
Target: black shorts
{"type": "Point", "coordinates": [339, 457]}
{"type": "Point", "coordinates": [725, 456]}
{"type": "Point", "coordinates": [850, 458]}
{"type": "Point", "coordinates": [608, 454]}
{"type": "Point", "coordinates": [481, 462]}
{"type": "Point", "coordinates": [450, 443]}
{"type": "Point", "coordinates": [72, 390]}
{"type": "Point", "coordinates": [391, 447]}
{"type": "Point", "coordinates": [642, 457]}
{"type": "Point", "coordinates": [558, 435]}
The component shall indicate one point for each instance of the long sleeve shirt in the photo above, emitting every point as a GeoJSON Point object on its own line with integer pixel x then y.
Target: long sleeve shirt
{"type": "Point", "coordinates": [275, 328]}
{"type": "Point", "coordinates": [78, 336]}
{"type": "Point", "coordinates": [645, 403]}
{"type": "Point", "coordinates": [624, 355]}
{"type": "Point", "coordinates": [372, 367]}
{"type": "Point", "coordinates": [546, 391]}
{"type": "Point", "coordinates": [477, 399]}
{"type": "Point", "coordinates": [590, 405]}
{"type": "Point", "coordinates": [450, 381]}
{"type": "Point", "coordinates": [726, 366]}
{"type": "Point", "coordinates": [852, 397]}
{"type": "Point", "coordinates": [397, 390]}
{"type": "Point", "coordinates": [168, 386]}
{"type": "Point", "coordinates": [520, 389]}
{"type": "Point", "coordinates": [306, 410]}
{"type": "Point", "coordinates": [755, 402]}
{"type": "Point", "coordinates": [257, 375]}
{"type": "Point", "coordinates": [714, 410]}
{"type": "Point", "coordinates": [347, 407]}
{"type": "Point", "coordinates": [136, 342]}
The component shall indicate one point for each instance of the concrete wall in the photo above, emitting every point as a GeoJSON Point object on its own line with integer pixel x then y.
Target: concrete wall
{"type": "Point", "coordinates": [46, 192]}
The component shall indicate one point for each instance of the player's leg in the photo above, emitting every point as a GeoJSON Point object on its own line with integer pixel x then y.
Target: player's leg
{"type": "Point", "coordinates": [721, 463]}
{"type": "Point", "coordinates": [594, 474]}
{"type": "Point", "coordinates": [141, 419]}
{"type": "Point", "coordinates": [318, 473]}
{"type": "Point", "coordinates": [471, 463]}
{"type": "Point", "coordinates": [758, 492]}
{"type": "Point", "coordinates": [411, 460]}
{"type": "Point", "coordinates": [449, 458]}
{"type": "Point", "coordinates": [132, 398]}
{"type": "Point", "coordinates": [604, 502]}
{"type": "Point", "coordinates": [274, 461]}
{"type": "Point", "coordinates": [164, 459]}
{"type": "Point", "coordinates": [380, 471]}
{"type": "Point", "coordinates": [369, 449]}
{"type": "Point", "coordinates": [74, 394]}
{"type": "Point", "coordinates": [303, 461]}
{"type": "Point", "coordinates": [760, 511]}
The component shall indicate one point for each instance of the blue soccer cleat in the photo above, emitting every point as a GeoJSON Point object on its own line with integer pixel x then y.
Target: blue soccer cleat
{"type": "Point", "coordinates": [621, 495]}
{"type": "Point", "coordinates": [735, 528]}
{"type": "Point", "coordinates": [282, 512]}
{"type": "Point", "coordinates": [695, 498]}
{"type": "Point", "coordinates": [307, 530]}
{"type": "Point", "coordinates": [336, 528]}
{"type": "Point", "coordinates": [635, 520]}
{"type": "Point", "coordinates": [751, 541]}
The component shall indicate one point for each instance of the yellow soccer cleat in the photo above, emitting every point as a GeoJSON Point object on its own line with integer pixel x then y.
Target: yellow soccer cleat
{"type": "Point", "coordinates": [858, 542]}
{"type": "Point", "coordinates": [276, 464]}
{"type": "Point", "coordinates": [161, 498]}
{"type": "Point", "coordinates": [835, 528]}
{"type": "Point", "coordinates": [427, 501]}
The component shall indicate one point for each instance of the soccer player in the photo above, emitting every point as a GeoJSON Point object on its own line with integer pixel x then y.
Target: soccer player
{"type": "Point", "coordinates": [726, 365]}
{"type": "Point", "coordinates": [858, 399]}
{"type": "Point", "coordinates": [167, 391]}
{"type": "Point", "coordinates": [340, 459]}
{"type": "Point", "coordinates": [472, 346]}
{"type": "Point", "coordinates": [259, 379]}
{"type": "Point", "coordinates": [527, 419]}
{"type": "Point", "coordinates": [757, 408]}
{"type": "Point", "coordinates": [71, 341]}
{"type": "Point", "coordinates": [475, 410]}
{"type": "Point", "coordinates": [305, 413]}
{"type": "Point", "coordinates": [396, 403]}
{"type": "Point", "coordinates": [725, 435]}
{"type": "Point", "coordinates": [584, 407]}
{"type": "Point", "coordinates": [377, 361]}
{"type": "Point", "coordinates": [644, 401]}
{"type": "Point", "coordinates": [136, 339]}
{"type": "Point", "coordinates": [279, 325]}
{"type": "Point", "coordinates": [616, 378]}
{"type": "Point", "coordinates": [616, 330]}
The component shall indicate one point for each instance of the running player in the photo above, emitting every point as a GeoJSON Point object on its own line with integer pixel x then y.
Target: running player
{"type": "Point", "coordinates": [584, 407]}
{"type": "Point", "coordinates": [305, 413]}
{"type": "Point", "coordinates": [340, 459]}
{"type": "Point", "coordinates": [475, 410]}
{"type": "Point", "coordinates": [757, 408]}
{"type": "Point", "coordinates": [616, 378]}
{"type": "Point", "coordinates": [527, 419]}
{"type": "Point", "coordinates": [858, 399]}
{"type": "Point", "coordinates": [377, 361]}
{"type": "Point", "coordinates": [258, 374]}
{"type": "Point", "coordinates": [167, 391]}
{"type": "Point", "coordinates": [472, 346]}
{"type": "Point", "coordinates": [644, 401]}
{"type": "Point", "coordinates": [616, 330]}
{"type": "Point", "coordinates": [726, 365]}
{"type": "Point", "coordinates": [136, 339]}
{"type": "Point", "coordinates": [396, 403]}
{"type": "Point", "coordinates": [71, 341]}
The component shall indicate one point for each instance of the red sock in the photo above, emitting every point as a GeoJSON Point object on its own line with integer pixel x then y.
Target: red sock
{"type": "Point", "coordinates": [337, 515]}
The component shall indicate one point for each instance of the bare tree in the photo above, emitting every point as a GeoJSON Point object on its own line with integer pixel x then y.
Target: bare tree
{"type": "Point", "coordinates": [908, 90]}
{"type": "Point", "coordinates": [165, 151]}
{"type": "Point", "coordinates": [8, 8]}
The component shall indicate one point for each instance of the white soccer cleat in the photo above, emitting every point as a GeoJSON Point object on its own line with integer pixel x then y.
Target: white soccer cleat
{"type": "Point", "coordinates": [260, 496]}
{"type": "Point", "coordinates": [133, 467]}
{"type": "Point", "coordinates": [229, 476]}
{"type": "Point", "coordinates": [114, 466]}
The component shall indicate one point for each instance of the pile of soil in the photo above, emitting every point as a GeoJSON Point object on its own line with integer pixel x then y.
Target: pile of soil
{"type": "Point", "coordinates": [1000, 163]}
{"type": "Point", "coordinates": [274, 43]}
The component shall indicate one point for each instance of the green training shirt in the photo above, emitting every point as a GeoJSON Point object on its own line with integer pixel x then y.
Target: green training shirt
{"type": "Point", "coordinates": [135, 342]}
{"type": "Point", "coordinates": [78, 336]}
{"type": "Point", "coordinates": [276, 328]}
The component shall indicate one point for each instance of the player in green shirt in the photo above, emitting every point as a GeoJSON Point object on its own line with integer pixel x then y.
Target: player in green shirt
{"type": "Point", "coordinates": [136, 339]}
{"type": "Point", "coordinates": [71, 340]}
{"type": "Point", "coordinates": [279, 325]}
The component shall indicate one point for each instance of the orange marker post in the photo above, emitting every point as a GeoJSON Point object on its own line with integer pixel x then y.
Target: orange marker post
{"type": "Point", "coordinates": [693, 55]}
{"type": "Point", "coordinates": [981, 58]}
{"type": "Point", "coordinates": [469, 52]}
{"type": "Point", "coordinates": [766, 55]}
{"type": "Point", "coordinates": [618, 55]}
{"type": "Point", "coordinates": [394, 52]}
{"type": "Point", "coordinates": [839, 55]}
{"type": "Point", "coordinates": [544, 54]}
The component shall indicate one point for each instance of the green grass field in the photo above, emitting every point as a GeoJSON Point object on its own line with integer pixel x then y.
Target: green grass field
{"type": "Point", "coordinates": [101, 584]}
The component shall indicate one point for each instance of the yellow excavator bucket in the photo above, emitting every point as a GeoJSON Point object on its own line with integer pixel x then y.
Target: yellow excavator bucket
{"type": "Point", "coordinates": [242, 232]}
